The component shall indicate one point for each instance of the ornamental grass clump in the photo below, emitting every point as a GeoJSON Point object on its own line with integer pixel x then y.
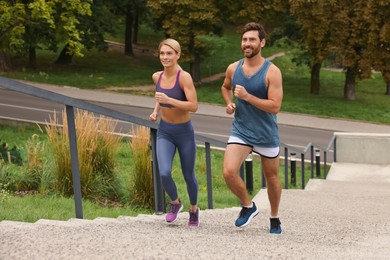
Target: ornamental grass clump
{"type": "Point", "coordinates": [142, 181]}
{"type": "Point", "coordinates": [35, 149]}
{"type": "Point", "coordinates": [97, 146]}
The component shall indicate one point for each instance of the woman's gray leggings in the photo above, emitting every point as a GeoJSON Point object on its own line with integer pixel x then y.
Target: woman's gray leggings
{"type": "Point", "coordinates": [181, 136]}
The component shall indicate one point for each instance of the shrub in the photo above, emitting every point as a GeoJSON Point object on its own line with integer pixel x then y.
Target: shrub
{"type": "Point", "coordinates": [35, 161]}
{"type": "Point", "coordinates": [4, 193]}
{"type": "Point", "coordinates": [142, 181]}
{"type": "Point", "coordinates": [96, 145]}
{"type": "Point", "coordinates": [10, 155]}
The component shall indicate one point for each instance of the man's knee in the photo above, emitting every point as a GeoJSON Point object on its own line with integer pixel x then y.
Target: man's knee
{"type": "Point", "coordinates": [228, 173]}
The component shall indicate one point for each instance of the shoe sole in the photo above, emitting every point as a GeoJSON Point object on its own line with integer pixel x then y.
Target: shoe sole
{"type": "Point", "coordinates": [273, 233]}
{"type": "Point", "coordinates": [249, 219]}
{"type": "Point", "coordinates": [177, 215]}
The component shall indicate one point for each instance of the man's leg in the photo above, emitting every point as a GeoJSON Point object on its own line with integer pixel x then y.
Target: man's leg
{"type": "Point", "coordinates": [274, 189]}
{"type": "Point", "coordinates": [234, 157]}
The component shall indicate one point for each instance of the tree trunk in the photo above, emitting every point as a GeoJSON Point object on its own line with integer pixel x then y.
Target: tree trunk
{"type": "Point", "coordinates": [195, 63]}
{"type": "Point", "coordinates": [195, 69]}
{"type": "Point", "coordinates": [349, 87]}
{"type": "Point", "coordinates": [65, 58]}
{"type": "Point", "coordinates": [5, 62]}
{"type": "Point", "coordinates": [315, 79]}
{"type": "Point", "coordinates": [129, 32]}
{"type": "Point", "coordinates": [136, 28]}
{"type": "Point", "coordinates": [387, 88]}
{"type": "Point", "coordinates": [32, 58]}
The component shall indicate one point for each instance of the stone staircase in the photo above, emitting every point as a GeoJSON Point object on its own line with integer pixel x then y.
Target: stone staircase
{"type": "Point", "coordinates": [337, 218]}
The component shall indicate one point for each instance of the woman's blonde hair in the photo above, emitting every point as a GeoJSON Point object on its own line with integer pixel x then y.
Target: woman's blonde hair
{"type": "Point", "coordinates": [175, 45]}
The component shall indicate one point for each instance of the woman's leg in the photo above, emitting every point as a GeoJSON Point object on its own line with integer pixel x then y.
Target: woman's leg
{"type": "Point", "coordinates": [165, 153]}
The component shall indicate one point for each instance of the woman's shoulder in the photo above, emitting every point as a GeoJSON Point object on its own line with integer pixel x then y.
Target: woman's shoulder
{"type": "Point", "coordinates": [156, 75]}
{"type": "Point", "coordinates": [184, 73]}
{"type": "Point", "coordinates": [185, 78]}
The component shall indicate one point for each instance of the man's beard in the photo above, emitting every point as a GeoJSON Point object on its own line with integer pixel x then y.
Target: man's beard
{"type": "Point", "coordinates": [255, 51]}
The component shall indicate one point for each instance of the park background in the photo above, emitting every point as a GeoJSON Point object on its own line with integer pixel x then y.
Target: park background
{"type": "Point", "coordinates": [333, 58]}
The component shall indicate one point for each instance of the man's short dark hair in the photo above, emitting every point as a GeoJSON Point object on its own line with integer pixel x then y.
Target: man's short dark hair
{"type": "Point", "coordinates": [254, 27]}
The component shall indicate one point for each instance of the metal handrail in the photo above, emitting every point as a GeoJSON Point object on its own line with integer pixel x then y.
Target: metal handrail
{"type": "Point", "coordinates": [70, 103]}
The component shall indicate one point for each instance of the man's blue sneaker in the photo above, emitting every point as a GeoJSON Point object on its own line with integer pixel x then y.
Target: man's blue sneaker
{"type": "Point", "coordinates": [275, 226]}
{"type": "Point", "coordinates": [246, 215]}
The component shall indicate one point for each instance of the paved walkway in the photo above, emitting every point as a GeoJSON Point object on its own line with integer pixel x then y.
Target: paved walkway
{"type": "Point", "coordinates": [332, 124]}
{"type": "Point", "coordinates": [343, 217]}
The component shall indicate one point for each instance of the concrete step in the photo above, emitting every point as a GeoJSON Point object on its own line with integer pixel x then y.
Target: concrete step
{"type": "Point", "coordinates": [337, 218]}
{"type": "Point", "coordinates": [354, 172]}
{"type": "Point", "coordinates": [315, 224]}
{"type": "Point", "coordinates": [369, 189]}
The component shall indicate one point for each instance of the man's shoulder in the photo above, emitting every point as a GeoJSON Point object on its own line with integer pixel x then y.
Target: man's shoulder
{"type": "Point", "coordinates": [233, 66]}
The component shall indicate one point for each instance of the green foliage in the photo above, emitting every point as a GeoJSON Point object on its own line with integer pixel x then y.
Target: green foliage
{"type": "Point", "coordinates": [4, 192]}
{"type": "Point", "coordinates": [244, 11]}
{"type": "Point", "coordinates": [355, 33]}
{"type": "Point", "coordinates": [186, 21]}
{"type": "Point", "coordinates": [10, 155]}
{"type": "Point", "coordinates": [24, 25]}
{"type": "Point", "coordinates": [17, 178]}
{"type": "Point", "coordinates": [11, 27]}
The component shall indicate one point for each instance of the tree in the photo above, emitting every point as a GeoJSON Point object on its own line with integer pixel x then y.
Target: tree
{"type": "Point", "coordinates": [244, 11]}
{"type": "Point", "coordinates": [26, 24]}
{"type": "Point", "coordinates": [131, 10]}
{"type": "Point", "coordinates": [187, 21]}
{"type": "Point", "coordinates": [93, 28]}
{"type": "Point", "coordinates": [379, 39]}
{"type": "Point", "coordinates": [316, 25]}
{"type": "Point", "coordinates": [11, 31]}
{"type": "Point", "coordinates": [351, 40]}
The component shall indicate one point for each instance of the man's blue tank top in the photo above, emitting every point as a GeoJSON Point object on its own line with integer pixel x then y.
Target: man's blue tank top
{"type": "Point", "coordinates": [175, 92]}
{"type": "Point", "coordinates": [254, 126]}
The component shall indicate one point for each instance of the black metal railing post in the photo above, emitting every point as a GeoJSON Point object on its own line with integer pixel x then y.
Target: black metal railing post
{"type": "Point", "coordinates": [209, 177]}
{"type": "Point", "coordinates": [249, 173]}
{"type": "Point", "coordinates": [74, 161]}
{"type": "Point", "coordinates": [318, 163]}
{"type": "Point", "coordinates": [285, 167]}
{"type": "Point", "coordinates": [312, 161]}
{"type": "Point", "coordinates": [159, 196]}
{"type": "Point", "coordinates": [263, 181]}
{"type": "Point", "coordinates": [303, 169]}
{"type": "Point", "coordinates": [293, 169]}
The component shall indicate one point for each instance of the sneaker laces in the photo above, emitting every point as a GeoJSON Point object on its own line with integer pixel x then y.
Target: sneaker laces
{"type": "Point", "coordinates": [193, 216]}
{"type": "Point", "coordinates": [244, 211]}
{"type": "Point", "coordinates": [174, 208]}
{"type": "Point", "coordinates": [275, 222]}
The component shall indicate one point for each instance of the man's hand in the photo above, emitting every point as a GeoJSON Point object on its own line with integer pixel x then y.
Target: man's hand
{"type": "Point", "coordinates": [240, 92]}
{"type": "Point", "coordinates": [230, 108]}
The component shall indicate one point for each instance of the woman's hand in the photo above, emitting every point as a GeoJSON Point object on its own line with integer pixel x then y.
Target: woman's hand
{"type": "Point", "coordinates": [161, 98]}
{"type": "Point", "coordinates": [153, 116]}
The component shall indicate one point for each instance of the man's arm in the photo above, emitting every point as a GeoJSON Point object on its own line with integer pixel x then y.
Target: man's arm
{"type": "Point", "coordinates": [226, 88]}
{"type": "Point", "coordinates": [275, 92]}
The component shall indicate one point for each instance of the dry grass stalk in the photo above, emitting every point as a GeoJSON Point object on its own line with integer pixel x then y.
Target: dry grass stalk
{"type": "Point", "coordinates": [97, 147]}
{"type": "Point", "coordinates": [142, 182]}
